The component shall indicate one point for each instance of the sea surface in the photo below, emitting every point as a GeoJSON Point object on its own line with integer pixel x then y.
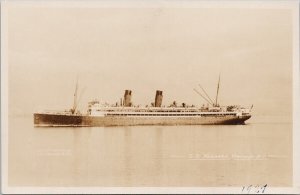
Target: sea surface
{"type": "Point", "coordinates": [257, 153]}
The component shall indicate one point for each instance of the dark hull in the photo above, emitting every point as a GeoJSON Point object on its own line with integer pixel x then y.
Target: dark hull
{"type": "Point", "coordinates": [41, 119]}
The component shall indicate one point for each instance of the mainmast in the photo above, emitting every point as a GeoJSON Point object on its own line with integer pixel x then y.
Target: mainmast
{"type": "Point", "coordinates": [218, 91]}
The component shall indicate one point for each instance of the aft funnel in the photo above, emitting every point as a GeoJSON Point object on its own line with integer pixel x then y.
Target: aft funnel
{"type": "Point", "coordinates": [158, 98]}
{"type": "Point", "coordinates": [127, 98]}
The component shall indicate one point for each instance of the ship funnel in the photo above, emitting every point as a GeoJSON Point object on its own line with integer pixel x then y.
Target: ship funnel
{"type": "Point", "coordinates": [127, 98]}
{"type": "Point", "coordinates": [158, 98]}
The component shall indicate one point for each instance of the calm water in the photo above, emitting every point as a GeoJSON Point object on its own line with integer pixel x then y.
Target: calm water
{"type": "Point", "coordinates": [257, 153]}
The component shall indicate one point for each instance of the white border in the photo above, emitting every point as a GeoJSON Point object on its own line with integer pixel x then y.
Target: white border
{"type": "Point", "coordinates": [296, 99]}
{"type": "Point", "coordinates": [256, 4]}
{"type": "Point", "coordinates": [294, 5]}
{"type": "Point", "coordinates": [4, 102]}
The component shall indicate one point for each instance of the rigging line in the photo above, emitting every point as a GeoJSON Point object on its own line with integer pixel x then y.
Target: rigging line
{"type": "Point", "coordinates": [251, 107]}
{"type": "Point", "coordinates": [206, 93]}
{"type": "Point", "coordinates": [202, 96]}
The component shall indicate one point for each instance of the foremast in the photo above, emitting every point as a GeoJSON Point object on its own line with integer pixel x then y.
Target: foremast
{"type": "Point", "coordinates": [73, 110]}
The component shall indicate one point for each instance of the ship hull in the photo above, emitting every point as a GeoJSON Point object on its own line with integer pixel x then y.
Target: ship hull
{"type": "Point", "coordinates": [41, 119]}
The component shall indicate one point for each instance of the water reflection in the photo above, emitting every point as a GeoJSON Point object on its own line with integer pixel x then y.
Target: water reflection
{"type": "Point", "coordinates": [128, 157]}
{"type": "Point", "coordinates": [148, 155]}
{"type": "Point", "coordinates": [80, 154]}
{"type": "Point", "coordinates": [158, 156]}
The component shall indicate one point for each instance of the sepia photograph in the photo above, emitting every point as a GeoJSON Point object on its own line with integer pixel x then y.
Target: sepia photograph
{"type": "Point", "coordinates": [150, 97]}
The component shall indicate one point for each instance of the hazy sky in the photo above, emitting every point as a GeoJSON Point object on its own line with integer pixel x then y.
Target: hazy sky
{"type": "Point", "coordinates": [145, 49]}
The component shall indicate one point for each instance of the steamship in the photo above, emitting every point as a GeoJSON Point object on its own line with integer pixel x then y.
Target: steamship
{"type": "Point", "coordinates": [125, 113]}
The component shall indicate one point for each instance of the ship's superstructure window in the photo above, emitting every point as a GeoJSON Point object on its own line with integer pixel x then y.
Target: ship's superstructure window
{"type": "Point", "coordinates": [119, 113]}
{"type": "Point", "coordinates": [98, 110]}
